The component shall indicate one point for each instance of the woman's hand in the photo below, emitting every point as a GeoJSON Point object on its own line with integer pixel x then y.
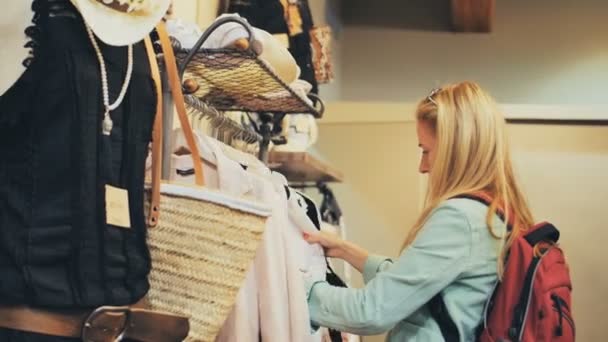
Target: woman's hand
{"type": "Point", "coordinates": [332, 243]}
{"type": "Point", "coordinates": [335, 247]}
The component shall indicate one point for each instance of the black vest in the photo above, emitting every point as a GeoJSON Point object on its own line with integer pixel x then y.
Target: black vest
{"type": "Point", "coordinates": [55, 247]}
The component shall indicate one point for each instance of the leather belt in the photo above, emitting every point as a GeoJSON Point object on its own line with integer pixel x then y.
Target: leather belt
{"type": "Point", "coordinates": [104, 324]}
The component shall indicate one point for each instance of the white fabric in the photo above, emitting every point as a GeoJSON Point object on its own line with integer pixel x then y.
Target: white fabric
{"type": "Point", "coordinates": [181, 164]}
{"type": "Point", "coordinates": [261, 305]}
{"type": "Point", "coordinates": [272, 301]}
{"type": "Point", "coordinates": [302, 133]}
{"type": "Point", "coordinates": [297, 252]}
{"type": "Point", "coordinates": [119, 28]}
{"type": "Point", "coordinates": [297, 304]}
{"type": "Point", "coordinates": [276, 256]}
{"type": "Point", "coordinates": [261, 308]}
{"type": "Point", "coordinates": [213, 196]}
{"type": "Point", "coordinates": [311, 258]}
{"type": "Point", "coordinates": [228, 33]}
{"type": "Point", "coordinates": [186, 33]}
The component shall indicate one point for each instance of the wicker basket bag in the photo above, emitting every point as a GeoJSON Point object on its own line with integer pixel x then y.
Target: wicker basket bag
{"type": "Point", "coordinates": [204, 241]}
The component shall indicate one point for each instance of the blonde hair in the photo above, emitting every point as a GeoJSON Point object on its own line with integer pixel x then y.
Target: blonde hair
{"type": "Point", "coordinates": [472, 155]}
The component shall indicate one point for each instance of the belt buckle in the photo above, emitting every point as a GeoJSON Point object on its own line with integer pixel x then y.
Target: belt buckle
{"type": "Point", "coordinates": [101, 325]}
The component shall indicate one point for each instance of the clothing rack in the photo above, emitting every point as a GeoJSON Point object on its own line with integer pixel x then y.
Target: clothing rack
{"type": "Point", "coordinates": [219, 80]}
{"type": "Point", "coordinates": [199, 109]}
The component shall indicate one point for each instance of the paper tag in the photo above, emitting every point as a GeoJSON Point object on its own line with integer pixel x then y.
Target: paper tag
{"type": "Point", "coordinates": [117, 207]}
{"type": "Point", "coordinates": [283, 38]}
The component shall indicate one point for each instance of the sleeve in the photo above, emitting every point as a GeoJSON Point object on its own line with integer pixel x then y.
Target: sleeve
{"type": "Point", "coordinates": [373, 265]}
{"type": "Point", "coordinates": [440, 253]}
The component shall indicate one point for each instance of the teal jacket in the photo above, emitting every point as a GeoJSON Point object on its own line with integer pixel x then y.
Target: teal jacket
{"type": "Point", "coordinates": [453, 255]}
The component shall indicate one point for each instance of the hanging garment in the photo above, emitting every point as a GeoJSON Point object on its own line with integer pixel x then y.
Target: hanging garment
{"type": "Point", "coordinates": [300, 131]}
{"type": "Point", "coordinates": [296, 306]}
{"type": "Point", "coordinates": [272, 301]}
{"type": "Point", "coordinates": [186, 33]}
{"type": "Point", "coordinates": [303, 217]}
{"type": "Point", "coordinates": [261, 307]}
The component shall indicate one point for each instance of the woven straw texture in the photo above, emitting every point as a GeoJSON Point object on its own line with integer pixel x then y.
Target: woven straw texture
{"type": "Point", "coordinates": [200, 254]}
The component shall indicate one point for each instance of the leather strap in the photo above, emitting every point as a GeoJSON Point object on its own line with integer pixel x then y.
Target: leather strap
{"type": "Point", "coordinates": [157, 136]}
{"type": "Point", "coordinates": [157, 132]}
{"type": "Point", "coordinates": [104, 324]}
{"type": "Point", "coordinates": [180, 105]}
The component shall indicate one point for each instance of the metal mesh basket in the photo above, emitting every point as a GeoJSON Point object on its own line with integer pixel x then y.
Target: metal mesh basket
{"type": "Point", "coordinates": [230, 79]}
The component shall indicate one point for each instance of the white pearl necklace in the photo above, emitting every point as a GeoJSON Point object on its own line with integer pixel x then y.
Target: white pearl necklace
{"type": "Point", "coordinates": [107, 120]}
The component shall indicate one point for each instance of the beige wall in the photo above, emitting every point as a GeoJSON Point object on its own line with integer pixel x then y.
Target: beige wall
{"type": "Point", "coordinates": [186, 9]}
{"type": "Point", "coordinates": [202, 12]}
{"type": "Point", "coordinates": [564, 171]}
{"type": "Point", "coordinates": [562, 168]}
{"type": "Point", "coordinates": [541, 52]}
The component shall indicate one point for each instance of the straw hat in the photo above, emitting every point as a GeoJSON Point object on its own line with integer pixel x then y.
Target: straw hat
{"type": "Point", "coordinates": [14, 19]}
{"type": "Point", "coordinates": [122, 22]}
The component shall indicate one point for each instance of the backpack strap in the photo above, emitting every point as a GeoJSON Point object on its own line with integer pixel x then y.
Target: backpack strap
{"type": "Point", "coordinates": [440, 314]}
{"type": "Point", "coordinates": [437, 306]}
{"type": "Point", "coordinates": [544, 231]}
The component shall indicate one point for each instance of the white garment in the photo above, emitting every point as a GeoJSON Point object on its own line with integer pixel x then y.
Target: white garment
{"type": "Point", "coordinates": [224, 36]}
{"type": "Point", "coordinates": [230, 177]}
{"type": "Point", "coordinates": [186, 33]}
{"type": "Point", "coordinates": [311, 258]}
{"type": "Point", "coordinates": [296, 320]}
{"type": "Point", "coordinates": [262, 307]}
{"type": "Point", "coordinates": [299, 319]}
{"type": "Point", "coordinates": [301, 133]}
{"type": "Point", "coordinates": [228, 33]}
{"type": "Point", "coordinates": [182, 170]}
{"type": "Point", "coordinates": [300, 254]}
{"type": "Point", "coordinates": [272, 301]}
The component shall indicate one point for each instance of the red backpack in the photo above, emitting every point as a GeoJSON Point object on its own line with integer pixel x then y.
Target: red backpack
{"type": "Point", "coordinates": [533, 301]}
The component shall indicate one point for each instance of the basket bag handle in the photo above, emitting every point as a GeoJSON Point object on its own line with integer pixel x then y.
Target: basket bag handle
{"type": "Point", "coordinates": [157, 132]}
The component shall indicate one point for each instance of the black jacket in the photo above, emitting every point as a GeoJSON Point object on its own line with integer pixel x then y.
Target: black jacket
{"type": "Point", "coordinates": [55, 247]}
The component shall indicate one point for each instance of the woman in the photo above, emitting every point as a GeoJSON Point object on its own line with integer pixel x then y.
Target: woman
{"type": "Point", "coordinates": [450, 259]}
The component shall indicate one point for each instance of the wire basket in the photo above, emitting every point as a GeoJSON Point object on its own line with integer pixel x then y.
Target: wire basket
{"type": "Point", "coordinates": [230, 79]}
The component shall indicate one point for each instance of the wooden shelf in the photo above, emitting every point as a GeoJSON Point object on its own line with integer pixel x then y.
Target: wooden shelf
{"type": "Point", "coordinates": [301, 167]}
